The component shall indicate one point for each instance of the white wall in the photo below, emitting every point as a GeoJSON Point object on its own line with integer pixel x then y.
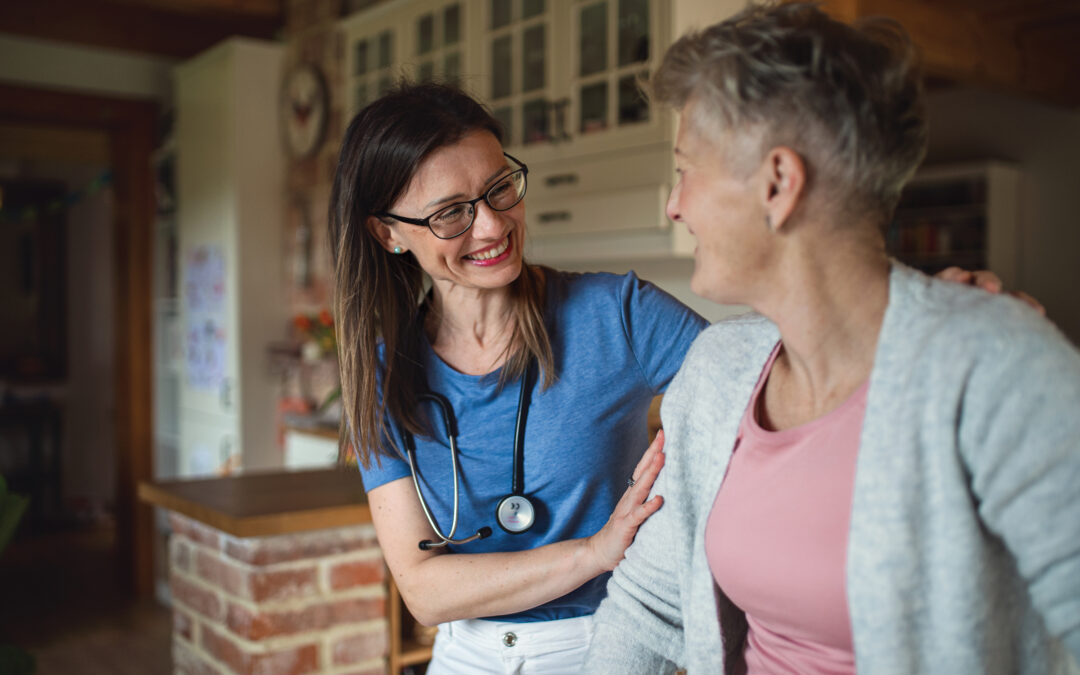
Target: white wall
{"type": "Point", "coordinates": [672, 275]}
{"type": "Point", "coordinates": [54, 65]}
{"type": "Point", "coordinates": [1044, 141]}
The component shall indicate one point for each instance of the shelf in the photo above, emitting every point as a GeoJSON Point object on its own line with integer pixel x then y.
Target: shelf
{"type": "Point", "coordinates": [413, 653]}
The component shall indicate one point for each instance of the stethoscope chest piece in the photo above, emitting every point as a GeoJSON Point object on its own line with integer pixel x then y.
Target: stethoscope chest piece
{"type": "Point", "coordinates": [515, 514]}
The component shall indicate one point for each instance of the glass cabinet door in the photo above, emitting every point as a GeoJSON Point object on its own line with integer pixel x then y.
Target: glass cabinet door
{"type": "Point", "coordinates": [438, 42]}
{"type": "Point", "coordinates": [612, 53]}
{"type": "Point", "coordinates": [518, 50]}
{"type": "Point", "coordinates": [372, 72]}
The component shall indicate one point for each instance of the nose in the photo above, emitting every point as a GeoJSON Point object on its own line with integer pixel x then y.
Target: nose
{"type": "Point", "coordinates": [487, 223]}
{"type": "Point", "coordinates": [672, 208]}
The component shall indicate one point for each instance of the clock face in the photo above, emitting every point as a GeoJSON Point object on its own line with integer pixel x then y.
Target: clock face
{"type": "Point", "coordinates": [304, 110]}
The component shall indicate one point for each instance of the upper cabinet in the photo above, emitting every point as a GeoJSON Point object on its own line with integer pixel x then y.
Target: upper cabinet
{"type": "Point", "coordinates": [563, 75]}
{"type": "Point", "coordinates": [564, 78]}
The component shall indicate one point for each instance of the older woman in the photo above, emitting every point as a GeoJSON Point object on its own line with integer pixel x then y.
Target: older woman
{"type": "Point", "coordinates": [498, 408]}
{"type": "Point", "coordinates": [877, 471]}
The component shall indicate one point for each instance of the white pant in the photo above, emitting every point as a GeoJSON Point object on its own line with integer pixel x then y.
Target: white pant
{"type": "Point", "coordinates": [501, 648]}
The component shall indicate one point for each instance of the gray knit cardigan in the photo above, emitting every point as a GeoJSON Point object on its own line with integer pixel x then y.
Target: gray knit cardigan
{"type": "Point", "coordinates": [964, 545]}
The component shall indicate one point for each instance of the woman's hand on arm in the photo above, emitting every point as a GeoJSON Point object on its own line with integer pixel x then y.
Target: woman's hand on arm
{"type": "Point", "coordinates": [988, 281]}
{"type": "Point", "coordinates": [609, 544]}
{"type": "Point", "coordinates": [439, 586]}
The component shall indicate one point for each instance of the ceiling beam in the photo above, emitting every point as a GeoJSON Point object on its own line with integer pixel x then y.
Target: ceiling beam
{"type": "Point", "coordinates": [1025, 48]}
{"type": "Point", "coordinates": [134, 28]}
{"type": "Point", "coordinates": [266, 9]}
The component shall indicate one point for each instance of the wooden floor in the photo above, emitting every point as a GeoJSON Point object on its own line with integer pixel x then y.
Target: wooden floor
{"type": "Point", "coordinates": [60, 601]}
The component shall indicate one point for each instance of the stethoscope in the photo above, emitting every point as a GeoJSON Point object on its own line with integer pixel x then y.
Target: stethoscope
{"type": "Point", "coordinates": [515, 513]}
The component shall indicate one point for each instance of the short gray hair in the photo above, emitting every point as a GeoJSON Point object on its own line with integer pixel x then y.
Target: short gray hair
{"type": "Point", "coordinates": [849, 99]}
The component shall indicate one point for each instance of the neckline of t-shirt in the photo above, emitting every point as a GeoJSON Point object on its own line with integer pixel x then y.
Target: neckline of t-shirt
{"type": "Point", "coordinates": [446, 371]}
{"type": "Point", "coordinates": [752, 427]}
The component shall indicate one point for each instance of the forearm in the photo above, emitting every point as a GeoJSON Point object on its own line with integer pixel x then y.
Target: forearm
{"type": "Point", "coordinates": [455, 586]}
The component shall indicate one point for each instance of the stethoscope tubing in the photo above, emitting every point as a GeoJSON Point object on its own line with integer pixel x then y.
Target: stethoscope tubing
{"type": "Point", "coordinates": [518, 468]}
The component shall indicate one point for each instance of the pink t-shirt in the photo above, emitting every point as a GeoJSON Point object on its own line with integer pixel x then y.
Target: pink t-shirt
{"type": "Point", "coordinates": [776, 539]}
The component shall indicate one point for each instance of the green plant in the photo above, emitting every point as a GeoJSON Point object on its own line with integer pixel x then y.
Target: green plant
{"type": "Point", "coordinates": [12, 507]}
{"type": "Point", "coordinates": [13, 660]}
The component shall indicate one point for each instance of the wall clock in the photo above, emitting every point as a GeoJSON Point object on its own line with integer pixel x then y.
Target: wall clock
{"type": "Point", "coordinates": [305, 107]}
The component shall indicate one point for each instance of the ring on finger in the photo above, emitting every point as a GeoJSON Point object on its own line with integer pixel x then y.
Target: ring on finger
{"type": "Point", "coordinates": [630, 482]}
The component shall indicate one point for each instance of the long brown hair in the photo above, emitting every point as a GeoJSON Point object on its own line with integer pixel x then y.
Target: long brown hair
{"type": "Point", "coordinates": [377, 295]}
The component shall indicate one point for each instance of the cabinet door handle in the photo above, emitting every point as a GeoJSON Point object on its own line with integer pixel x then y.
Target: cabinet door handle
{"type": "Point", "coordinates": [561, 179]}
{"type": "Point", "coordinates": [225, 393]}
{"type": "Point", "coordinates": [554, 216]}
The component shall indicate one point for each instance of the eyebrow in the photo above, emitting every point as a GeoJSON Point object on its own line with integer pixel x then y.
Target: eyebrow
{"type": "Point", "coordinates": [461, 196]}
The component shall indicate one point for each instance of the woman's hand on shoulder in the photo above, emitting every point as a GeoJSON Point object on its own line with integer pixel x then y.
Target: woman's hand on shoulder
{"type": "Point", "coordinates": [608, 545]}
{"type": "Point", "coordinates": [988, 281]}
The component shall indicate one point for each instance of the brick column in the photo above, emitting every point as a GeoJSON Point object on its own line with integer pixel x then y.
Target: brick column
{"type": "Point", "coordinates": [309, 602]}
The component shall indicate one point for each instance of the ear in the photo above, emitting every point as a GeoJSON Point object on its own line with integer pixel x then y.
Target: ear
{"type": "Point", "coordinates": [384, 234]}
{"type": "Point", "coordinates": [785, 180]}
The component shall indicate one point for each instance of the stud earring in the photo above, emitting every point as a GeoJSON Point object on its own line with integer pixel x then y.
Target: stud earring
{"type": "Point", "coordinates": [398, 250]}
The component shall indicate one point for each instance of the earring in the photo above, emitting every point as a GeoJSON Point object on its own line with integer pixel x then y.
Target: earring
{"type": "Point", "coordinates": [398, 250]}
{"type": "Point", "coordinates": [768, 222]}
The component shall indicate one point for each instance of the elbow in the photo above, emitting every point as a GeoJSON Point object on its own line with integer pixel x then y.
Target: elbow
{"type": "Point", "coordinates": [423, 607]}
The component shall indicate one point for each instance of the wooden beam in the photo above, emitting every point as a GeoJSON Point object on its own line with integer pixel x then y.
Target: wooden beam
{"type": "Point", "coordinates": [128, 27]}
{"type": "Point", "coordinates": [50, 143]}
{"type": "Point", "coordinates": [267, 9]}
{"type": "Point", "coordinates": [1029, 48]}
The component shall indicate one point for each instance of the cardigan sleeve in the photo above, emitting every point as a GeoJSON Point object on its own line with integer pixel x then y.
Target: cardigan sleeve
{"type": "Point", "coordinates": [639, 625]}
{"type": "Point", "coordinates": [1020, 437]}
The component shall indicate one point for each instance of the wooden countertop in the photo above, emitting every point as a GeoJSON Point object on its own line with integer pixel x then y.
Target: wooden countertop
{"type": "Point", "coordinates": [268, 503]}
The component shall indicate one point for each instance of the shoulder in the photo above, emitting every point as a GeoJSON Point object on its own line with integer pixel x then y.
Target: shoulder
{"type": "Point", "coordinates": [950, 319]}
{"type": "Point", "coordinates": [732, 339]}
{"type": "Point", "coordinates": [602, 290]}
{"type": "Point", "coordinates": [725, 354]}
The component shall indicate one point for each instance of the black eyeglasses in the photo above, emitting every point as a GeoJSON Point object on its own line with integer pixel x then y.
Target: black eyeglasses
{"type": "Point", "coordinates": [456, 219]}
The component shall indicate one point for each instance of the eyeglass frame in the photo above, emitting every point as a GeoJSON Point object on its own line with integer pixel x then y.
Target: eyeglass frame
{"type": "Point", "coordinates": [426, 222]}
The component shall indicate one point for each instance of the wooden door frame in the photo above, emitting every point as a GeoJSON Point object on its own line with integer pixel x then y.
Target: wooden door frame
{"type": "Point", "coordinates": [130, 125]}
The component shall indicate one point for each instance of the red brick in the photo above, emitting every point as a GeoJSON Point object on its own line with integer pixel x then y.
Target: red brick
{"type": "Point", "coordinates": [187, 662]}
{"type": "Point", "coordinates": [359, 573]}
{"type": "Point", "coordinates": [194, 531]}
{"type": "Point", "coordinates": [262, 624]}
{"type": "Point", "coordinates": [180, 554]}
{"type": "Point", "coordinates": [224, 575]}
{"type": "Point", "coordinates": [286, 661]}
{"type": "Point", "coordinates": [279, 585]}
{"type": "Point", "coordinates": [361, 647]}
{"type": "Point", "coordinates": [223, 649]}
{"type": "Point", "coordinates": [259, 585]}
{"type": "Point", "coordinates": [201, 600]}
{"type": "Point", "coordinates": [182, 625]}
{"type": "Point", "coordinates": [358, 609]}
{"type": "Point", "coordinates": [290, 661]}
{"type": "Point", "coordinates": [300, 546]}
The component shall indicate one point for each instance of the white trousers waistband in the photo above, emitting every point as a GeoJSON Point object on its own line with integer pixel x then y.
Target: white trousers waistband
{"type": "Point", "coordinates": [479, 645]}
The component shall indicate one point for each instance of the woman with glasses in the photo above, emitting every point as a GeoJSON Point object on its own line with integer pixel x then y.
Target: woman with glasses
{"type": "Point", "coordinates": [499, 412]}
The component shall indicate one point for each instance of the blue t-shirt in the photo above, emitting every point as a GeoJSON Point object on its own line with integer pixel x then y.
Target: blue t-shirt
{"type": "Point", "coordinates": [617, 342]}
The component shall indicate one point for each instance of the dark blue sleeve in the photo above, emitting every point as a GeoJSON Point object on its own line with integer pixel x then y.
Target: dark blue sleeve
{"type": "Point", "coordinates": [659, 329]}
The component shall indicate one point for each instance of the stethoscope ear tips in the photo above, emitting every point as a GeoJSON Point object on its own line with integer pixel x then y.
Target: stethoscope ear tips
{"type": "Point", "coordinates": [484, 532]}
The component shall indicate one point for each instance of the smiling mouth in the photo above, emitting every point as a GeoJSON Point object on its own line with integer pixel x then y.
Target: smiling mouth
{"type": "Point", "coordinates": [492, 252]}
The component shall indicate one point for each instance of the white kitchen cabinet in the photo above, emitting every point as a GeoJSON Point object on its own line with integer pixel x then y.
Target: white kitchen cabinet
{"type": "Point", "coordinates": [562, 77]}
{"type": "Point", "coordinates": [230, 176]}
